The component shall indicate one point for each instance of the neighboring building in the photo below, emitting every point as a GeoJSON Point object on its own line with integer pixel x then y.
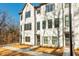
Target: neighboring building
{"type": "Point", "coordinates": [40, 25]}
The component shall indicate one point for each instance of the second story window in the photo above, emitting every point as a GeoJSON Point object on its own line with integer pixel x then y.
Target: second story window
{"type": "Point", "coordinates": [27, 26]}
{"type": "Point", "coordinates": [44, 24]}
{"type": "Point", "coordinates": [27, 14]}
{"type": "Point", "coordinates": [38, 25]}
{"type": "Point", "coordinates": [66, 5]}
{"type": "Point", "coordinates": [38, 11]}
{"type": "Point", "coordinates": [56, 23]}
{"type": "Point", "coordinates": [50, 23]}
{"type": "Point", "coordinates": [50, 7]}
{"type": "Point", "coordinates": [67, 21]}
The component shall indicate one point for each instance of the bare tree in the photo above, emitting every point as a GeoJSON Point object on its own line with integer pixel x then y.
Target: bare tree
{"type": "Point", "coordinates": [9, 32]}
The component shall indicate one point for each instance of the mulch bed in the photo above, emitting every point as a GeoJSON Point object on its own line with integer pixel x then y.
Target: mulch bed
{"type": "Point", "coordinates": [50, 50]}
{"type": "Point", "coordinates": [76, 52]}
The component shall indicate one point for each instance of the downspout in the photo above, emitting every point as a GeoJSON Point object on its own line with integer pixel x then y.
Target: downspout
{"type": "Point", "coordinates": [34, 27]}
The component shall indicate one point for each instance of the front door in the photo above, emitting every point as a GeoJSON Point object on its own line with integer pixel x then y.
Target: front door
{"type": "Point", "coordinates": [38, 39]}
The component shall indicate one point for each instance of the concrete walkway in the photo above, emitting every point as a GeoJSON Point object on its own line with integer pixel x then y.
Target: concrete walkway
{"type": "Point", "coordinates": [66, 52]}
{"type": "Point", "coordinates": [27, 50]}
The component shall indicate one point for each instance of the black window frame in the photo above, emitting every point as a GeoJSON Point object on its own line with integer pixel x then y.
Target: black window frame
{"type": "Point", "coordinates": [28, 26]}
{"type": "Point", "coordinates": [38, 11]}
{"type": "Point", "coordinates": [27, 38]}
{"type": "Point", "coordinates": [66, 5]}
{"type": "Point", "coordinates": [56, 23]}
{"type": "Point", "coordinates": [50, 23]}
{"type": "Point", "coordinates": [21, 28]}
{"type": "Point", "coordinates": [44, 24]}
{"type": "Point", "coordinates": [45, 40]}
{"type": "Point", "coordinates": [28, 14]}
{"type": "Point", "coordinates": [21, 17]}
{"type": "Point", "coordinates": [38, 25]}
{"type": "Point", "coordinates": [67, 21]}
{"type": "Point", "coordinates": [50, 7]}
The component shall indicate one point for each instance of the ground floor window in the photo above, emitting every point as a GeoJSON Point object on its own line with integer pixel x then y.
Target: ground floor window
{"type": "Point", "coordinates": [54, 40]}
{"type": "Point", "coordinates": [27, 39]}
{"type": "Point", "coordinates": [45, 40]}
{"type": "Point", "coordinates": [67, 39]}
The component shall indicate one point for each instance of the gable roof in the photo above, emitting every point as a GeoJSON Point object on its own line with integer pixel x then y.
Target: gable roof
{"type": "Point", "coordinates": [37, 6]}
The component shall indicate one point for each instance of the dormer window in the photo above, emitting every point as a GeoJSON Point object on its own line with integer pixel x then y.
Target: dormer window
{"type": "Point", "coordinates": [50, 7]}
{"type": "Point", "coordinates": [27, 14]}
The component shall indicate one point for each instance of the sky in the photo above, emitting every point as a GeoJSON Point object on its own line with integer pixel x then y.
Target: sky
{"type": "Point", "coordinates": [13, 9]}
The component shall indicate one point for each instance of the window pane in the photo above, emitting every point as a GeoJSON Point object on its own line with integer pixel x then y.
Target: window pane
{"type": "Point", "coordinates": [27, 26]}
{"type": "Point", "coordinates": [45, 40]}
{"type": "Point", "coordinates": [27, 39]}
{"type": "Point", "coordinates": [21, 17]}
{"type": "Point", "coordinates": [66, 5]}
{"type": "Point", "coordinates": [38, 25]}
{"type": "Point", "coordinates": [67, 21]}
{"type": "Point", "coordinates": [21, 28]}
{"type": "Point", "coordinates": [38, 11]}
{"type": "Point", "coordinates": [24, 26]}
{"type": "Point", "coordinates": [54, 40]}
{"type": "Point", "coordinates": [27, 14]}
{"type": "Point", "coordinates": [56, 22]}
{"type": "Point", "coordinates": [50, 23]}
{"type": "Point", "coordinates": [44, 24]}
{"type": "Point", "coordinates": [50, 7]}
{"type": "Point", "coordinates": [47, 8]}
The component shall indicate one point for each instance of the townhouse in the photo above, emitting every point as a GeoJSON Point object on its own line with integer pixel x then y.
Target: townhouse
{"type": "Point", "coordinates": [48, 24]}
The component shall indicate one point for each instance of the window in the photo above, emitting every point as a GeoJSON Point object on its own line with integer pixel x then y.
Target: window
{"type": "Point", "coordinates": [38, 11]}
{"type": "Point", "coordinates": [21, 28]}
{"type": "Point", "coordinates": [50, 7]}
{"type": "Point", "coordinates": [38, 25]}
{"type": "Point", "coordinates": [54, 40]}
{"type": "Point", "coordinates": [67, 39]}
{"type": "Point", "coordinates": [45, 40]}
{"type": "Point", "coordinates": [66, 5]}
{"type": "Point", "coordinates": [27, 39]}
{"type": "Point", "coordinates": [27, 26]}
{"type": "Point", "coordinates": [21, 17]}
{"type": "Point", "coordinates": [21, 37]}
{"type": "Point", "coordinates": [44, 24]}
{"type": "Point", "coordinates": [27, 14]}
{"type": "Point", "coordinates": [50, 23]}
{"type": "Point", "coordinates": [67, 21]}
{"type": "Point", "coordinates": [56, 22]}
